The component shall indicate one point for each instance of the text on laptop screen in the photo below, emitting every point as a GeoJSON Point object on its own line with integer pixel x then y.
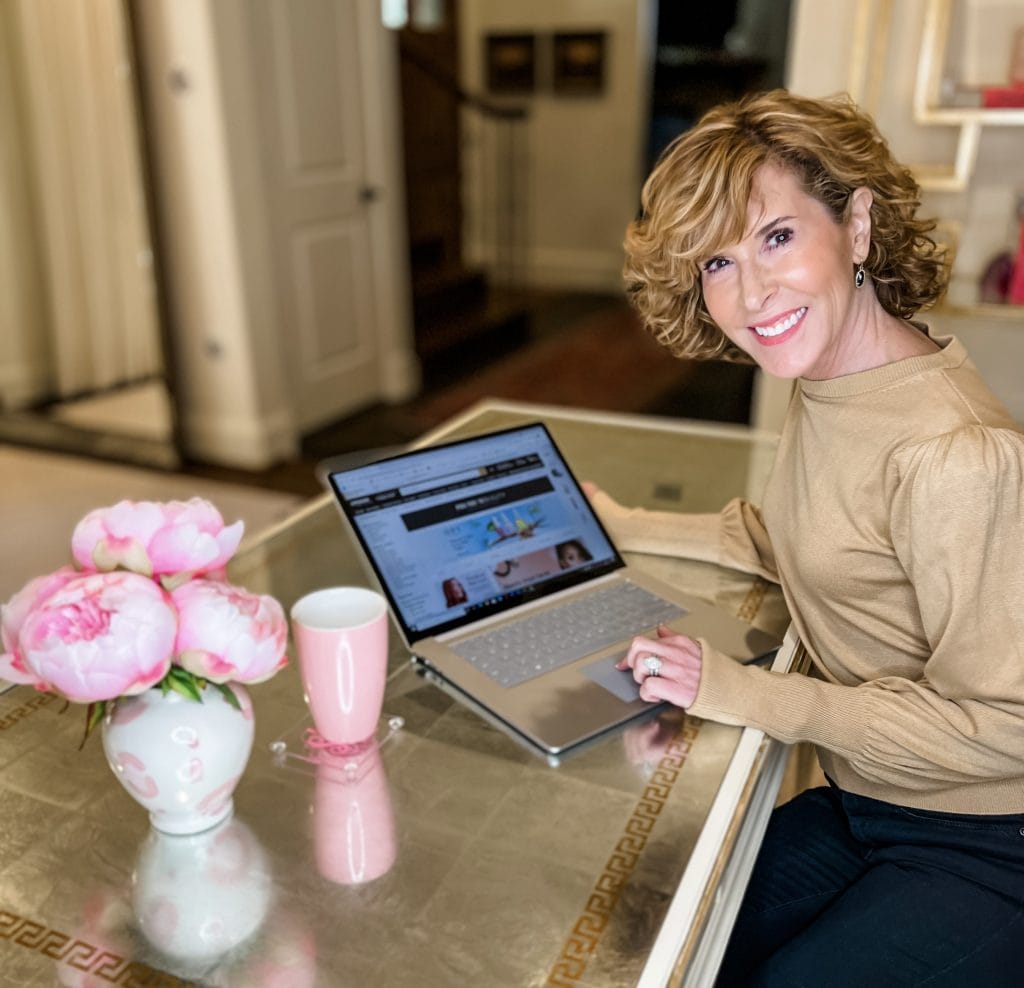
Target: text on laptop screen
{"type": "Point", "coordinates": [461, 531]}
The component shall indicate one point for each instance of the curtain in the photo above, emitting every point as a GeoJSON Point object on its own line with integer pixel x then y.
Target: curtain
{"type": "Point", "coordinates": [82, 153]}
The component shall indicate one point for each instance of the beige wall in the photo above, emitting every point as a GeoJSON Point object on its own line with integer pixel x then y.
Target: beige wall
{"type": "Point", "coordinates": [585, 153]}
{"type": "Point", "coordinates": [872, 50]}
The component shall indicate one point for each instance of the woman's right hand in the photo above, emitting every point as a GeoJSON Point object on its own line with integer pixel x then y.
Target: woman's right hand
{"type": "Point", "coordinates": [681, 662]}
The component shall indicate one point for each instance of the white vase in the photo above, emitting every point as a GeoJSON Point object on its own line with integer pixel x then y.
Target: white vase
{"type": "Point", "coordinates": [180, 759]}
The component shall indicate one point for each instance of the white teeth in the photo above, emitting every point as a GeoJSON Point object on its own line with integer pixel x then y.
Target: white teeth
{"type": "Point", "coordinates": [780, 327]}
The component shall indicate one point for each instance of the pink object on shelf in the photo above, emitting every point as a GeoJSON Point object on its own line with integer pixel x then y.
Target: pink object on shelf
{"type": "Point", "coordinates": [1002, 97]}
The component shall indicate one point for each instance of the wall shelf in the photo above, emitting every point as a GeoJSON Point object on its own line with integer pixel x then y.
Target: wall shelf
{"type": "Point", "coordinates": [939, 92]}
{"type": "Point", "coordinates": [982, 310]}
{"type": "Point", "coordinates": [937, 97]}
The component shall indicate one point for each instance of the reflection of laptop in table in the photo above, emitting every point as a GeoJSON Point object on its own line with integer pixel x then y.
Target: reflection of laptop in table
{"type": "Point", "coordinates": [507, 588]}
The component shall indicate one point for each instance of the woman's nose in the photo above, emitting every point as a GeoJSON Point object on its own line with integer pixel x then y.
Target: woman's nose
{"type": "Point", "coordinates": [758, 287]}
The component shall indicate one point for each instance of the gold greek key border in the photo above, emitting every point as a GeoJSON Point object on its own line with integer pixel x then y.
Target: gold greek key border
{"type": "Point", "coordinates": [753, 601]}
{"type": "Point", "coordinates": [588, 929]}
{"type": "Point", "coordinates": [83, 956]}
{"type": "Point", "coordinates": [29, 707]}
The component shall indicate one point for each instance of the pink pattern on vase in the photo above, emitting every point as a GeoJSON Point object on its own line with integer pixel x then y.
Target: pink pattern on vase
{"type": "Point", "coordinates": [132, 767]}
{"type": "Point", "coordinates": [185, 735]}
{"type": "Point", "coordinates": [192, 771]}
{"type": "Point", "coordinates": [213, 803]}
{"type": "Point", "coordinates": [129, 713]}
{"type": "Point", "coordinates": [192, 754]}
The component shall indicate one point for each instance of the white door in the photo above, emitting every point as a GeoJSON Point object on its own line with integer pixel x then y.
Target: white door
{"type": "Point", "coordinates": [331, 208]}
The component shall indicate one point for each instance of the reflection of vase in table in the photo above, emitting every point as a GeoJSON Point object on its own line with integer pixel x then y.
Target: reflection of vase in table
{"type": "Point", "coordinates": [196, 897]}
{"type": "Point", "coordinates": [353, 817]}
{"type": "Point", "coordinates": [179, 758]}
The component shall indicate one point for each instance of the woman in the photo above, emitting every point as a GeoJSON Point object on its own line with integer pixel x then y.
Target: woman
{"type": "Point", "coordinates": [780, 229]}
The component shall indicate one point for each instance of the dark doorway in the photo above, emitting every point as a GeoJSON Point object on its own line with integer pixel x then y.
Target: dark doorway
{"type": "Point", "coordinates": [707, 55]}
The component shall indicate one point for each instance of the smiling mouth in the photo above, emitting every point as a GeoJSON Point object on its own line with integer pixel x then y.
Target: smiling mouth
{"type": "Point", "coordinates": [780, 327]}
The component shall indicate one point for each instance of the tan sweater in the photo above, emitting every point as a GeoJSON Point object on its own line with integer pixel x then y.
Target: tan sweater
{"type": "Point", "coordinates": [896, 517]}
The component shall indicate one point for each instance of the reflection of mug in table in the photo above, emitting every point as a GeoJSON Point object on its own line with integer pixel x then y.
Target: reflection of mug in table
{"type": "Point", "coordinates": [341, 637]}
{"type": "Point", "coordinates": [353, 819]}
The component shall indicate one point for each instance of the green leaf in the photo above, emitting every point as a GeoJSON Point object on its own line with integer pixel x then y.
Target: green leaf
{"type": "Point", "coordinates": [184, 684]}
{"type": "Point", "coordinates": [229, 694]}
{"type": "Point", "coordinates": [93, 716]}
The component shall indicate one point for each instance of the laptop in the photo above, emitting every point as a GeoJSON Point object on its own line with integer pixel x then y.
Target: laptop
{"type": "Point", "coordinates": [488, 550]}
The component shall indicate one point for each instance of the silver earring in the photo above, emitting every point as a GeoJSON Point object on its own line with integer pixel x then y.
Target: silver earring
{"type": "Point", "coordinates": [858, 278]}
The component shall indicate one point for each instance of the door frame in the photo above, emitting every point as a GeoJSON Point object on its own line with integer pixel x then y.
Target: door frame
{"type": "Point", "coordinates": [232, 391]}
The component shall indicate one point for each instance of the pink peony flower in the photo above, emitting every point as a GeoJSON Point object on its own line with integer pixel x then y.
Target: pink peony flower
{"type": "Point", "coordinates": [98, 636]}
{"type": "Point", "coordinates": [226, 633]}
{"type": "Point", "coordinates": [12, 617]}
{"type": "Point", "coordinates": [156, 538]}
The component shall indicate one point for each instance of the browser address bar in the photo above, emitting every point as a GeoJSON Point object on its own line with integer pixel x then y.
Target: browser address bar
{"type": "Point", "coordinates": [448, 478]}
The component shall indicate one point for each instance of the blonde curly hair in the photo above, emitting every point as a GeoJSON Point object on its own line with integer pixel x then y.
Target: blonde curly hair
{"type": "Point", "coordinates": [695, 204]}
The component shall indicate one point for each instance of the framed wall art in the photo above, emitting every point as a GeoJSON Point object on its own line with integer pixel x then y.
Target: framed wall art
{"type": "Point", "coordinates": [510, 61]}
{"type": "Point", "coordinates": [578, 62]}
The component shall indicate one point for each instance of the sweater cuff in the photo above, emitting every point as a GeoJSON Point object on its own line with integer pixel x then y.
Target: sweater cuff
{"type": "Point", "coordinates": [724, 682]}
{"type": "Point", "coordinates": [788, 706]}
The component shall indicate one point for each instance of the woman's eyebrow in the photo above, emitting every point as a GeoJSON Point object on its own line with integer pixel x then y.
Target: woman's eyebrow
{"type": "Point", "coordinates": [773, 223]}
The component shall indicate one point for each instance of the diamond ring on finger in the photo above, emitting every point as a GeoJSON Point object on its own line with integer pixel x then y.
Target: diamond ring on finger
{"type": "Point", "coordinates": [653, 665]}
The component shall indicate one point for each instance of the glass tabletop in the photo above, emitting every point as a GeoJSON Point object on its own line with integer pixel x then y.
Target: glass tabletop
{"type": "Point", "coordinates": [448, 854]}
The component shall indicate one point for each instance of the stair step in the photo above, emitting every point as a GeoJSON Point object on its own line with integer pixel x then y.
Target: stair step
{"type": "Point", "coordinates": [458, 343]}
{"type": "Point", "coordinates": [439, 291]}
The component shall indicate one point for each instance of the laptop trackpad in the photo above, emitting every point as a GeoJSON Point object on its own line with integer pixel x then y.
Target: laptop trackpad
{"type": "Point", "coordinates": [619, 682]}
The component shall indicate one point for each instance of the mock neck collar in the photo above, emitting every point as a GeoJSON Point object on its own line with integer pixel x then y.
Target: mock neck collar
{"type": "Point", "coordinates": [951, 353]}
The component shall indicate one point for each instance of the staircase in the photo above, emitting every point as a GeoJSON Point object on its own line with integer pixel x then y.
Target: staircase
{"type": "Point", "coordinates": [462, 319]}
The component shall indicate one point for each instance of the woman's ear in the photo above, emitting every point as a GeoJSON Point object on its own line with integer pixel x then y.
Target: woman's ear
{"type": "Point", "coordinates": [859, 223]}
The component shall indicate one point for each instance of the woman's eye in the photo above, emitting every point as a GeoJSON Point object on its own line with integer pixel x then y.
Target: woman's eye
{"type": "Point", "coordinates": [779, 237]}
{"type": "Point", "coordinates": [713, 265]}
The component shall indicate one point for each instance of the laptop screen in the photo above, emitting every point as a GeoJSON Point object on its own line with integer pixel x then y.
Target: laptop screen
{"type": "Point", "coordinates": [472, 528]}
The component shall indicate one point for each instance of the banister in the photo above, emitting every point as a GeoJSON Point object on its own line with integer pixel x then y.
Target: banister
{"type": "Point", "coordinates": [443, 77]}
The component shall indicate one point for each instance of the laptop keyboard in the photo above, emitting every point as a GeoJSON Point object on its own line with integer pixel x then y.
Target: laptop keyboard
{"type": "Point", "coordinates": [546, 640]}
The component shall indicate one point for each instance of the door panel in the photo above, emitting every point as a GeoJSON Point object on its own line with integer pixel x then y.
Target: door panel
{"type": "Point", "coordinates": [321, 223]}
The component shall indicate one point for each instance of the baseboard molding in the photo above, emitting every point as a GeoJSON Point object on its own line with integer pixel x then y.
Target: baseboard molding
{"type": "Point", "coordinates": [22, 386]}
{"type": "Point", "coordinates": [242, 443]}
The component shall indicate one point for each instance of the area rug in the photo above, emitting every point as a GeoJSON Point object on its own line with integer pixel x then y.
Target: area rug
{"type": "Point", "coordinates": [608, 362]}
{"type": "Point", "coordinates": [602, 361]}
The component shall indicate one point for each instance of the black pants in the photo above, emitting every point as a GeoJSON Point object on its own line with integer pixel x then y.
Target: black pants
{"type": "Point", "coordinates": [850, 891]}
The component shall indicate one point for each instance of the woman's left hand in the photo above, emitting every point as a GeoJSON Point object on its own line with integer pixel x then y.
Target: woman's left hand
{"type": "Point", "coordinates": [678, 667]}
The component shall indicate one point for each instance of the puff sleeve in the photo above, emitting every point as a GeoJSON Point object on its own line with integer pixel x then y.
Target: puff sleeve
{"type": "Point", "coordinates": [957, 528]}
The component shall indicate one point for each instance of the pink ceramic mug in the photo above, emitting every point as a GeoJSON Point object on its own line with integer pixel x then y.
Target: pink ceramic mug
{"type": "Point", "coordinates": [341, 637]}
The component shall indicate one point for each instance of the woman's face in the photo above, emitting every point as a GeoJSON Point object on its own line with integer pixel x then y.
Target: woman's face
{"type": "Point", "coordinates": [785, 293]}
